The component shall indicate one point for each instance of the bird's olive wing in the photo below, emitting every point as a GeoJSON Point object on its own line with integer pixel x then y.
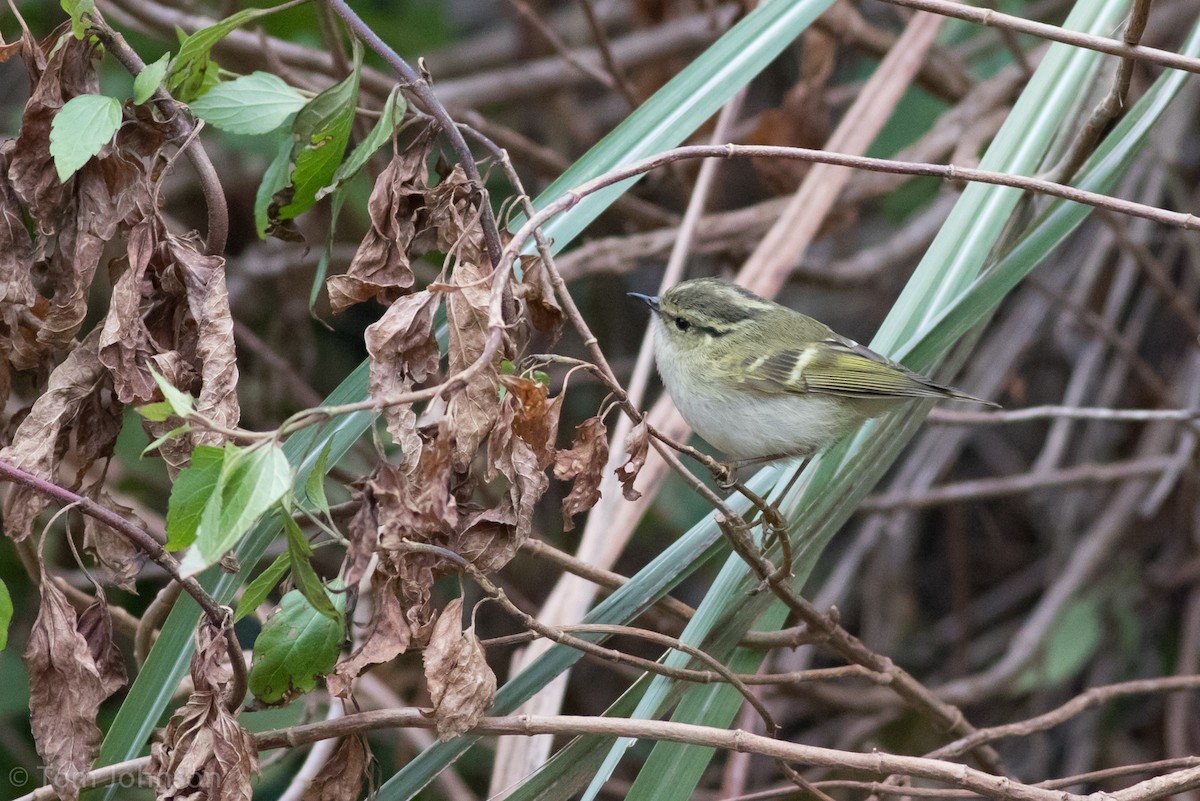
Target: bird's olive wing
{"type": "Point", "coordinates": [833, 367]}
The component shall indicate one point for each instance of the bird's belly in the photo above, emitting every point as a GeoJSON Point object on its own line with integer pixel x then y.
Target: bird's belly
{"type": "Point", "coordinates": [745, 426]}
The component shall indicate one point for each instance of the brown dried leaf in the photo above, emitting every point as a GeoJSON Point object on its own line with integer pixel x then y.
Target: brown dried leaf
{"type": "Point", "coordinates": [204, 753]}
{"type": "Point", "coordinates": [126, 346]}
{"type": "Point", "coordinates": [170, 313]}
{"type": "Point", "coordinates": [461, 684]}
{"type": "Point", "coordinates": [209, 343]}
{"type": "Point", "coordinates": [488, 538]}
{"type": "Point", "coordinates": [380, 268]}
{"type": "Point", "coordinates": [108, 192]}
{"type": "Point", "coordinates": [16, 248]}
{"type": "Point", "coordinates": [637, 445]}
{"type": "Point", "coordinates": [473, 410]}
{"type": "Point", "coordinates": [584, 463]}
{"type": "Point", "coordinates": [117, 557]}
{"type": "Point", "coordinates": [516, 459]}
{"type": "Point", "coordinates": [43, 436]}
{"type": "Point", "coordinates": [537, 292]}
{"type": "Point", "coordinates": [65, 691]}
{"type": "Point", "coordinates": [403, 352]}
{"type": "Point", "coordinates": [534, 417]}
{"type": "Point", "coordinates": [449, 218]}
{"type": "Point", "coordinates": [363, 534]}
{"type": "Point", "coordinates": [341, 777]}
{"type": "Point", "coordinates": [69, 71]}
{"type": "Point", "coordinates": [95, 626]}
{"type": "Point", "coordinates": [388, 637]}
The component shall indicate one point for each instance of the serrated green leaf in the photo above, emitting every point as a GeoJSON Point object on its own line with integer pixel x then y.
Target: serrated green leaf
{"type": "Point", "coordinates": [6, 613]}
{"type": "Point", "coordinates": [180, 402]}
{"type": "Point", "coordinates": [190, 494]}
{"type": "Point", "coordinates": [319, 137]}
{"type": "Point", "coordinates": [81, 127]}
{"type": "Point", "coordinates": [251, 482]}
{"type": "Point", "coordinates": [296, 647]}
{"type": "Point", "coordinates": [257, 591]}
{"type": "Point", "coordinates": [303, 575]}
{"type": "Point", "coordinates": [149, 79]}
{"type": "Point", "coordinates": [314, 488]}
{"type": "Point", "coordinates": [193, 71]}
{"type": "Point", "coordinates": [77, 9]}
{"type": "Point", "coordinates": [257, 103]}
{"type": "Point", "coordinates": [389, 120]}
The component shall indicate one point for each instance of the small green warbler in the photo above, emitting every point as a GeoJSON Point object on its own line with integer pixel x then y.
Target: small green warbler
{"type": "Point", "coordinates": [758, 380]}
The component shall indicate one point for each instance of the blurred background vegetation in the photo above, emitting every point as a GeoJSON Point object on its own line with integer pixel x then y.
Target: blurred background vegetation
{"type": "Point", "coordinates": [1061, 556]}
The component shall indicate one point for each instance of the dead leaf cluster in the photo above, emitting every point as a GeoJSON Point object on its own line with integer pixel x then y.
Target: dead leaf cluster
{"type": "Point", "coordinates": [73, 666]}
{"type": "Point", "coordinates": [205, 753]}
{"type": "Point", "coordinates": [169, 310]}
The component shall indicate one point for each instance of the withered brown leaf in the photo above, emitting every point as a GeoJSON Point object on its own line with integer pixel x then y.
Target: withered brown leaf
{"type": "Point", "coordinates": [541, 304]}
{"type": "Point", "coordinates": [532, 415]}
{"type": "Point", "coordinates": [461, 685]}
{"type": "Point", "coordinates": [204, 753]}
{"type": "Point", "coordinates": [42, 437]}
{"type": "Point", "coordinates": [126, 346]}
{"type": "Point", "coordinates": [389, 636]}
{"type": "Point", "coordinates": [65, 691]}
{"type": "Point", "coordinates": [95, 626]}
{"type": "Point", "coordinates": [117, 556]}
{"type": "Point", "coordinates": [69, 71]}
{"type": "Point", "coordinates": [473, 410]}
{"type": "Point", "coordinates": [403, 352]}
{"type": "Point", "coordinates": [341, 777]}
{"type": "Point", "coordinates": [210, 342]}
{"type": "Point", "coordinates": [381, 268]}
{"type": "Point", "coordinates": [637, 445]}
{"type": "Point", "coordinates": [108, 190]}
{"type": "Point", "coordinates": [583, 463]}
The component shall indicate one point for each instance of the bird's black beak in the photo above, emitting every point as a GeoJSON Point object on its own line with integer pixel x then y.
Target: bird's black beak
{"type": "Point", "coordinates": [652, 302]}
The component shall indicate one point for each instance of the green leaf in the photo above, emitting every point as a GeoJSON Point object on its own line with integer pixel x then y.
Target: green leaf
{"type": "Point", "coordinates": [389, 120]}
{"type": "Point", "coordinates": [319, 136]}
{"type": "Point", "coordinates": [253, 104]}
{"type": "Point", "coordinates": [81, 127]}
{"type": "Point", "coordinates": [314, 488]}
{"type": "Point", "coordinates": [78, 9]}
{"type": "Point", "coordinates": [149, 79]}
{"type": "Point", "coordinates": [180, 402]}
{"type": "Point", "coordinates": [192, 71]}
{"type": "Point", "coordinates": [6, 613]}
{"type": "Point", "coordinates": [190, 494]}
{"type": "Point", "coordinates": [1071, 645]}
{"type": "Point", "coordinates": [251, 482]}
{"type": "Point", "coordinates": [297, 646]}
{"type": "Point", "coordinates": [257, 591]}
{"type": "Point", "coordinates": [156, 412]}
{"type": "Point", "coordinates": [305, 578]}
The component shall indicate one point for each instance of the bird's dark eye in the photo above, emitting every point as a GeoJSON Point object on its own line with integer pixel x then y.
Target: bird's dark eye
{"type": "Point", "coordinates": [682, 324]}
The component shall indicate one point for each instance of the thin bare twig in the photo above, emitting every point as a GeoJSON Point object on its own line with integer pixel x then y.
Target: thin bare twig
{"type": "Point", "coordinates": [1114, 47]}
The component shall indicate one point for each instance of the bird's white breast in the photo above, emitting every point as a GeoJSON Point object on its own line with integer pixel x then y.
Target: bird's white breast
{"type": "Point", "coordinates": [744, 424]}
